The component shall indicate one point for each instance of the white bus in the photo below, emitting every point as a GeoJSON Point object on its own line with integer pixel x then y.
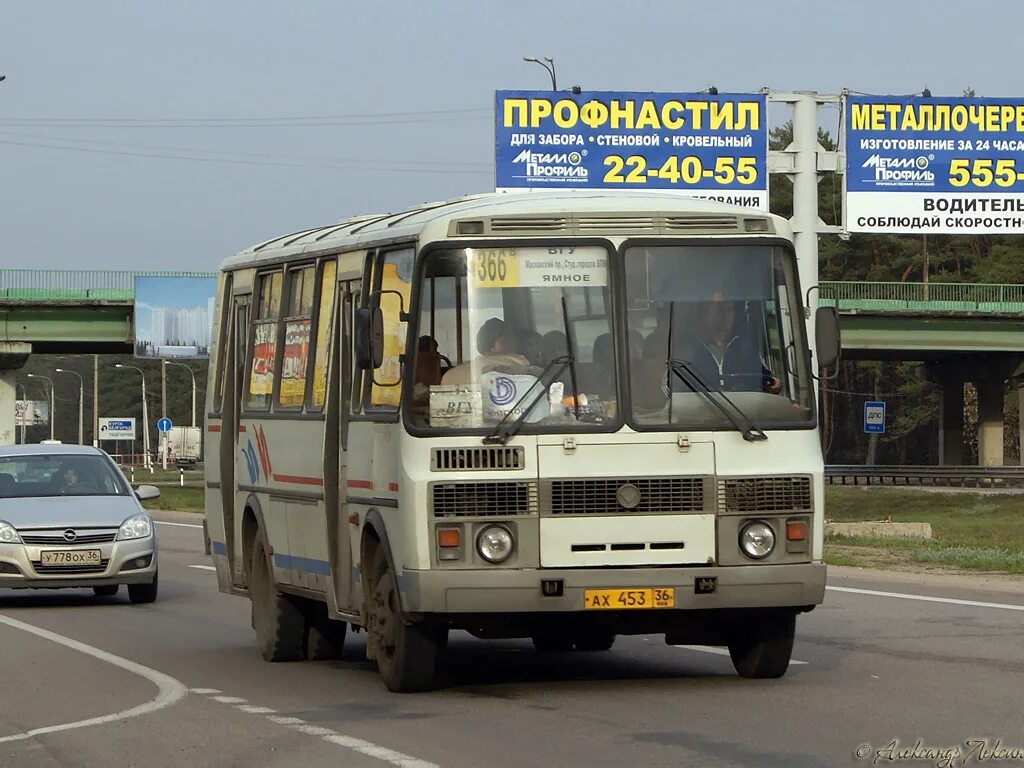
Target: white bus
{"type": "Point", "coordinates": [559, 416]}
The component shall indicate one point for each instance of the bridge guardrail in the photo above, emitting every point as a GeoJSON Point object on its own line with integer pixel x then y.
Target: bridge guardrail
{"type": "Point", "coordinates": [926, 475]}
{"type": "Point", "coordinates": [77, 284]}
{"type": "Point", "coordinates": [984, 298]}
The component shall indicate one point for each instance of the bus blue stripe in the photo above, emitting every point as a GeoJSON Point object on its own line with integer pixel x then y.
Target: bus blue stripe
{"type": "Point", "coordinates": [306, 564]}
{"type": "Point", "coordinates": [218, 548]}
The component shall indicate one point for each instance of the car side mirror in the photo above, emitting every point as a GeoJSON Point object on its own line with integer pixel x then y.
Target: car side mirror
{"type": "Point", "coordinates": [369, 338]}
{"type": "Point", "coordinates": [146, 492]}
{"type": "Point", "coordinates": [827, 337]}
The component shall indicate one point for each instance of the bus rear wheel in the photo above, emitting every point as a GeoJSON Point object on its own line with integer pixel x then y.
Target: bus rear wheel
{"type": "Point", "coordinates": [762, 648]}
{"type": "Point", "coordinates": [325, 637]}
{"type": "Point", "coordinates": [279, 624]}
{"type": "Point", "coordinates": [406, 653]}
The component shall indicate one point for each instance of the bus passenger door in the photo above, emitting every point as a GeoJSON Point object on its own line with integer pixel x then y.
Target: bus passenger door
{"type": "Point", "coordinates": [339, 404]}
{"type": "Point", "coordinates": [229, 447]}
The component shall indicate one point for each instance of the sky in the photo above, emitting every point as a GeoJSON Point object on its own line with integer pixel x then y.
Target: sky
{"type": "Point", "coordinates": [145, 135]}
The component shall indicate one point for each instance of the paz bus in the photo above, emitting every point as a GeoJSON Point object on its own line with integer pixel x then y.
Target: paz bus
{"type": "Point", "coordinates": [562, 416]}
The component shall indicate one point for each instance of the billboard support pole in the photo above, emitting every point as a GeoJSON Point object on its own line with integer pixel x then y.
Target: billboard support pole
{"type": "Point", "coordinates": [96, 401]}
{"type": "Point", "coordinates": [163, 412]}
{"type": "Point", "coordinates": [803, 161]}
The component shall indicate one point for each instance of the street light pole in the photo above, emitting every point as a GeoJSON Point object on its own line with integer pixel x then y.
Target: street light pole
{"type": "Point", "coordinates": [53, 404]}
{"type": "Point", "coordinates": [145, 414]}
{"type": "Point", "coordinates": [193, 375]}
{"type": "Point", "coordinates": [24, 411]}
{"type": "Point", "coordinates": [163, 408]}
{"type": "Point", "coordinates": [81, 401]}
{"type": "Point", "coordinates": [549, 64]}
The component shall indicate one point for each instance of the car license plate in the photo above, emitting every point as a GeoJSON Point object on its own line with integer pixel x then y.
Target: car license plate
{"type": "Point", "coordinates": [71, 557]}
{"type": "Point", "coordinates": [629, 599]}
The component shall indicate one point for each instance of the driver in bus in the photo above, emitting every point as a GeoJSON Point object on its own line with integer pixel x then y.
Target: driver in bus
{"type": "Point", "coordinates": [730, 357]}
{"type": "Point", "coordinates": [495, 345]}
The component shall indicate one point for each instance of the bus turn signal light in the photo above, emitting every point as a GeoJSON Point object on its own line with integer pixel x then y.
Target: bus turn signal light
{"type": "Point", "coordinates": [448, 538]}
{"type": "Point", "coordinates": [796, 530]}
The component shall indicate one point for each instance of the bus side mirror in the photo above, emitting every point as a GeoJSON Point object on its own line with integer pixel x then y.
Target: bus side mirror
{"type": "Point", "coordinates": [369, 338]}
{"type": "Point", "coordinates": [826, 332]}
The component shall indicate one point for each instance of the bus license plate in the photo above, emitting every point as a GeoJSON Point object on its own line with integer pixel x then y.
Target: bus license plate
{"type": "Point", "coordinates": [71, 557]}
{"type": "Point", "coordinates": [629, 599]}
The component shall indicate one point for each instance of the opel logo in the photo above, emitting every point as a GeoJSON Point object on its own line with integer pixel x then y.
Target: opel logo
{"type": "Point", "coordinates": [70, 535]}
{"type": "Point", "coordinates": [628, 496]}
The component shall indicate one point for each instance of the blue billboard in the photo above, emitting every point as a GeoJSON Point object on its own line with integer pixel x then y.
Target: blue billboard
{"type": "Point", "coordinates": [934, 165]}
{"type": "Point", "coordinates": [708, 146]}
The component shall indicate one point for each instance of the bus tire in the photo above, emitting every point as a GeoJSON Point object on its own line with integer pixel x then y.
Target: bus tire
{"type": "Point", "coordinates": [325, 637]}
{"type": "Point", "coordinates": [407, 653]}
{"type": "Point", "coordinates": [279, 624]}
{"type": "Point", "coordinates": [762, 648]}
{"type": "Point", "coordinates": [595, 640]}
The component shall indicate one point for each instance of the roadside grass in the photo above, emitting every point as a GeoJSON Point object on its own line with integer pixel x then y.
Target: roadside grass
{"type": "Point", "coordinates": [970, 531]}
{"type": "Point", "coordinates": [180, 499]}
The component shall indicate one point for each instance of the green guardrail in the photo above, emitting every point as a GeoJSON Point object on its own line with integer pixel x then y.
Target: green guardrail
{"type": "Point", "coordinates": [77, 284]}
{"type": "Point", "coordinates": [967, 298]}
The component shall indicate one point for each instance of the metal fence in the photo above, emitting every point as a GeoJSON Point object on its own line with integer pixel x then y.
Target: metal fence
{"type": "Point", "coordinates": [948, 476]}
{"type": "Point", "coordinates": [77, 284]}
{"type": "Point", "coordinates": [926, 297]}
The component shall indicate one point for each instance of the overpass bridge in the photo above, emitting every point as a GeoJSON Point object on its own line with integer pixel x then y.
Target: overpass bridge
{"type": "Point", "coordinates": [960, 331]}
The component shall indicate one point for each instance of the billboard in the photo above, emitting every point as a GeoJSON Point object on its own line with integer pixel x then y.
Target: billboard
{"type": "Point", "coordinates": [31, 413]}
{"type": "Point", "coordinates": [174, 316]}
{"type": "Point", "coordinates": [118, 428]}
{"type": "Point", "coordinates": [707, 146]}
{"type": "Point", "coordinates": [934, 165]}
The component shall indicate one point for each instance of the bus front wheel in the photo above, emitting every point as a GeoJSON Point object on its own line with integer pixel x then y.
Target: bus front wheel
{"type": "Point", "coordinates": [761, 649]}
{"type": "Point", "coordinates": [406, 653]}
{"type": "Point", "coordinates": [279, 624]}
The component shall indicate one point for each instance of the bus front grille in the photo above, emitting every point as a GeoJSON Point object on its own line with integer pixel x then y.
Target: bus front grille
{"type": "Point", "coordinates": [627, 495]}
{"type": "Point", "coordinates": [765, 494]}
{"type": "Point", "coordinates": [477, 458]}
{"type": "Point", "coordinates": [484, 499]}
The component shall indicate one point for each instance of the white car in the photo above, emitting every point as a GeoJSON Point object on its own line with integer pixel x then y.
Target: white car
{"type": "Point", "coordinates": [69, 518]}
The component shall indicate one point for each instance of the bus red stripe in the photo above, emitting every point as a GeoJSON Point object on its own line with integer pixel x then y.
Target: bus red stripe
{"type": "Point", "coordinates": [299, 479]}
{"type": "Point", "coordinates": [364, 484]}
{"type": "Point", "coordinates": [213, 428]}
{"type": "Point", "coordinates": [393, 487]}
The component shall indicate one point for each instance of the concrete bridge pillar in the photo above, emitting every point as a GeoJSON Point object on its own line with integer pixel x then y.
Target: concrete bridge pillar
{"type": "Point", "coordinates": [951, 423]}
{"type": "Point", "coordinates": [13, 355]}
{"type": "Point", "coordinates": [990, 422]}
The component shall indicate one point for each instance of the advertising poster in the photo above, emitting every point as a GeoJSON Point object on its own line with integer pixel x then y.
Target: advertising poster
{"type": "Point", "coordinates": [174, 316]}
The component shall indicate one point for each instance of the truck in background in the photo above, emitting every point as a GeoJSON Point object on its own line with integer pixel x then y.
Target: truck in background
{"type": "Point", "coordinates": [184, 446]}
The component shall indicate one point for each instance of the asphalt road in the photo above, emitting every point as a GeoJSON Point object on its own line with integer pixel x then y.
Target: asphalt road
{"type": "Point", "coordinates": [180, 683]}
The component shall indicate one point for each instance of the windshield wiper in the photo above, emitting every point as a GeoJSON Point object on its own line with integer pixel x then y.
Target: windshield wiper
{"type": "Point", "coordinates": [686, 373]}
{"type": "Point", "coordinates": [504, 430]}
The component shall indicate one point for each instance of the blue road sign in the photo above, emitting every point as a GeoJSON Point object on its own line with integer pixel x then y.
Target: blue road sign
{"type": "Point", "coordinates": [164, 425]}
{"type": "Point", "coordinates": [874, 417]}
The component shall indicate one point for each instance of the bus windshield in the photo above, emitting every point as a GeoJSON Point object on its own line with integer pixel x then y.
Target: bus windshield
{"type": "Point", "coordinates": [715, 323]}
{"type": "Point", "coordinates": [513, 334]}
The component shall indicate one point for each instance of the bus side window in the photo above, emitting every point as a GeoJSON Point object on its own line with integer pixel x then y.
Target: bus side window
{"type": "Point", "coordinates": [297, 324]}
{"type": "Point", "coordinates": [394, 277]}
{"type": "Point", "coordinates": [263, 342]}
{"type": "Point", "coordinates": [323, 343]}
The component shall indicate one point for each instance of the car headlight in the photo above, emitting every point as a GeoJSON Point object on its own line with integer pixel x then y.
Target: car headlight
{"type": "Point", "coordinates": [495, 543]}
{"type": "Point", "coordinates": [8, 534]}
{"type": "Point", "coordinates": [138, 527]}
{"type": "Point", "coordinates": [757, 539]}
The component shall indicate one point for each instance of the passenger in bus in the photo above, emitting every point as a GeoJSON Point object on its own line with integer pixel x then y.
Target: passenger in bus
{"type": "Point", "coordinates": [553, 345]}
{"type": "Point", "coordinates": [728, 354]}
{"type": "Point", "coordinates": [428, 361]}
{"type": "Point", "coordinates": [497, 353]}
{"type": "Point", "coordinates": [530, 345]}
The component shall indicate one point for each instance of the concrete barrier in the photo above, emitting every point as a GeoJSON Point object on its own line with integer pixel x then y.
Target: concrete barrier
{"type": "Point", "coordinates": [880, 530]}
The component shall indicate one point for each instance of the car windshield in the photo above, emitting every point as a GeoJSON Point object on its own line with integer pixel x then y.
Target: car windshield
{"type": "Point", "coordinates": [711, 319]}
{"type": "Point", "coordinates": [511, 335]}
{"type": "Point", "coordinates": [59, 475]}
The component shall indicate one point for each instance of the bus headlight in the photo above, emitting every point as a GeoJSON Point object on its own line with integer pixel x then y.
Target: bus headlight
{"type": "Point", "coordinates": [495, 543]}
{"type": "Point", "coordinates": [757, 539]}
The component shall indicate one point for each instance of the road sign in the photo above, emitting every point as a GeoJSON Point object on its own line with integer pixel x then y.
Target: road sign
{"type": "Point", "coordinates": [164, 425]}
{"type": "Point", "coordinates": [874, 417]}
{"type": "Point", "coordinates": [117, 429]}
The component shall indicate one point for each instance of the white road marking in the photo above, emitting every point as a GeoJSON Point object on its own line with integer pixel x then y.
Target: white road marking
{"type": "Point", "coordinates": [178, 525]}
{"type": "Point", "coordinates": [367, 748]}
{"type": "Point", "coordinates": [928, 598]}
{"type": "Point", "coordinates": [203, 567]}
{"type": "Point", "coordinates": [169, 690]}
{"type": "Point", "coordinates": [720, 651]}
{"type": "Point", "coordinates": [205, 691]}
